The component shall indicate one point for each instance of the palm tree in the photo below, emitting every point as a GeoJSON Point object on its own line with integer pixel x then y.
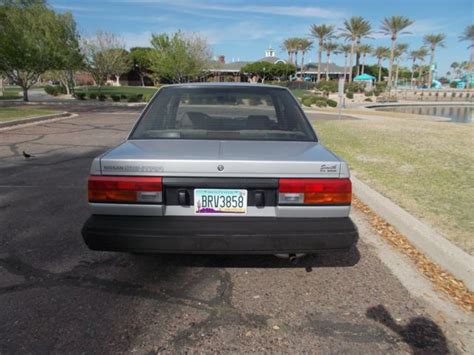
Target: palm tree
{"type": "Point", "coordinates": [345, 49]}
{"type": "Point", "coordinates": [304, 45]}
{"type": "Point", "coordinates": [354, 29]}
{"type": "Point", "coordinates": [400, 50]}
{"type": "Point", "coordinates": [433, 41]}
{"type": "Point", "coordinates": [322, 33]}
{"type": "Point", "coordinates": [393, 27]}
{"type": "Point", "coordinates": [291, 45]}
{"type": "Point", "coordinates": [329, 47]}
{"type": "Point", "coordinates": [468, 35]}
{"type": "Point", "coordinates": [381, 53]}
{"type": "Point", "coordinates": [415, 55]}
{"type": "Point", "coordinates": [455, 67]}
{"type": "Point", "coordinates": [365, 49]}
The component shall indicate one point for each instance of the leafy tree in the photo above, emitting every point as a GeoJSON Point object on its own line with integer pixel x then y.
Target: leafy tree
{"type": "Point", "coordinates": [178, 57]}
{"type": "Point", "coordinates": [354, 30]}
{"type": "Point", "coordinates": [141, 59]}
{"type": "Point", "coordinates": [122, 63]}
{"type": "Point", "coordinates": [394, 26]}
{"type": "Point", "coordinates": [433, 41]}
{"type": "Point", "coordinates": [35, 39]}
{"type": "Point", "coordinates": [104, 56]}
{"type": "Point", "coordinates": [262, 70]}
{"type": "Point", "coordinates": [375, 69]}
{"type": "Point", "coordinates": [281, 70]}
{"type": "Point", "coordinates": [322, 33]}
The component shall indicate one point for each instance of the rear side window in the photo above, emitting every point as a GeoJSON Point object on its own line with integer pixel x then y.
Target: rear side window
{"type": "Point", "coordinates": [224, 113]}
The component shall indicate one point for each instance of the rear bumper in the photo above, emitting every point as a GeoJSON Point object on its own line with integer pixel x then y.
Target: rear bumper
{"type": "Point", "coordinates": [218, 235]}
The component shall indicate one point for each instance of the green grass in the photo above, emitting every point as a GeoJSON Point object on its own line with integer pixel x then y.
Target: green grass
{"type": "Point", "coordinates": [16, 113]}
{"type": "Point", "coordinates": [117, 90]}
{"type": "Point", "coordinates": [424, 166]}
{"type": "Point", "coordinates": [299, 93]}
{"type": "Point", "coordinates": [11, 93]}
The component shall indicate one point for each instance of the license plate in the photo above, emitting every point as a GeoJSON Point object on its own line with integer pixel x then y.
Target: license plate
{"type": "Point", "coordinates": [220, 201]}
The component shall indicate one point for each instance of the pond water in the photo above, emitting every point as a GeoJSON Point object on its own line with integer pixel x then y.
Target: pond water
{"type": "Point", "coordinates": [461, 114]}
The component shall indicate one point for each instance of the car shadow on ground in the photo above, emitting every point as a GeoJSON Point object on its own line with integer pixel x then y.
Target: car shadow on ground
{"type": "Point", "coordinates": [334, 258]}
{"type": "Point", "coordinates": [422, 334]}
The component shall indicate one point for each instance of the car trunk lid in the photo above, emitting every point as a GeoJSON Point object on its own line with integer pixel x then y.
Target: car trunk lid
{"type": "Point", "coordinates": [217, 158]}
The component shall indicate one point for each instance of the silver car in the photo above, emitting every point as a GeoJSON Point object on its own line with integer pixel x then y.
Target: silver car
{"type": "Point", "coordinates": [220, 168]}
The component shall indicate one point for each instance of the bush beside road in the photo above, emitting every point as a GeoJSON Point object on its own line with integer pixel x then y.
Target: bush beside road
{"type": "Point", "coordinates": [110, 93]}
{"type": "Point", "coordinates": [424, 166]}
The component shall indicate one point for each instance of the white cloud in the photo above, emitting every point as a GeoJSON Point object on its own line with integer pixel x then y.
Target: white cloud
{"type": "Point", "coordinates": [293, 11]}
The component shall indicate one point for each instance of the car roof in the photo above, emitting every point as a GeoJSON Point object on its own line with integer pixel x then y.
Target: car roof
{"type": "Point", "coordinates": [225, 85]}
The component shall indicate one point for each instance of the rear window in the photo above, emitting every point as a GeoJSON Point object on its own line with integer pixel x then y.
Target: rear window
{"type": "Point", "coordinates": [224, 113]}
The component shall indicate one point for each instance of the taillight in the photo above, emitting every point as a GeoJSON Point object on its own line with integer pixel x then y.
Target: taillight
{"type": "Point", "coordinates": [134, 189]}
{"type": "Point", "coordinates": [314, 191]}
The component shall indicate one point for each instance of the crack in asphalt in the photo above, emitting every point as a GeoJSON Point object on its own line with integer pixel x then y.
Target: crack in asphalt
{"type": "Point", "coordinates": [40, 278]}
{"type": "Point", "coordinates": [220, 310]}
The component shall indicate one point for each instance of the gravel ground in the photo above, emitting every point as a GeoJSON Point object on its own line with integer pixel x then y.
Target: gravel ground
{"type": "Point", "coordinates": [57, 296]}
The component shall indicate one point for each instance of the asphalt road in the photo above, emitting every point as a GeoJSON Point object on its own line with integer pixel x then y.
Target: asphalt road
{"type": "Point", "coordinates": [57, 296]}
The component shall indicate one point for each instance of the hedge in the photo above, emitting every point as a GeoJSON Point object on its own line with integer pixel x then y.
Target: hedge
{"type": "Point", "coordinates": [55, 90]}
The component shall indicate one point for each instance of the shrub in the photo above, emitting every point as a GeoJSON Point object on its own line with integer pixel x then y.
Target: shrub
{"type": "Point", "coordinates": [55, 90]}
{"type": "Point", "coordinates": [377, 92]}
{"type": "Point", "coordinates": [453, 84]}
{"type": "Point", "coordinates": [115, 98]}
{"type": "Point", "coordinates": [368, 99]}
{"type": "Point", "coordinates": [102, 97]}
{"type": "Point", "coordinates": [327, 86]}
{"type": "Point", "coordinates": [133, 98]}
{"type": "Point", "coordinates": [147, 97]}
{"type": "Point", "coordinates": [350, 95]}
{"type": "Point", "coordinates": [381, 85]}
{"type": "Point", "coordinates": [80, 95]}
{"type": "Point", "coordinates": [321, 103]}
{"type": "Point", "coordinates": [305, 85]}
{"type": "Point", "coordinates": [307, 101]}
{"type": "Point", "coordinates": [331, 103]}
{"type": "Point", "coordinates": [93, 96]}
{"type": "Point", "coordinates": [355, 87]}
{"type": "Point", "coordinates": [368, 93]}
{"type": "Point", "coordinates": [139, 97]}
{"type": "Point", "coordinates": [123, 97]}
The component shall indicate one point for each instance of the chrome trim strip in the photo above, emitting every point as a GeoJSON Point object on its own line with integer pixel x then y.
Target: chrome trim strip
{"type": "Point", "coordinates": [313, 211]}
{"type": "Point", "coordinates": [252, 211]}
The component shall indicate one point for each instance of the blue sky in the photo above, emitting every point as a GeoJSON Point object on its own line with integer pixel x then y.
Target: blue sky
{"type": "Point", "coordinates": [243, 30]}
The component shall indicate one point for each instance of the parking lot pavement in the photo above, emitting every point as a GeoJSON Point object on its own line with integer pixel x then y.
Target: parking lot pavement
{"type": "Point", "coordinates": [57, 296]}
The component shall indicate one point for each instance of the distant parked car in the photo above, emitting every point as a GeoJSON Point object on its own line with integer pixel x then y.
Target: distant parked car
{"type": "Point", "coordinates": [220, 168]}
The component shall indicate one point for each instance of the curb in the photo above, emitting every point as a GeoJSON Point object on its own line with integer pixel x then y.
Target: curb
{"type": "Point", "coordinates": [424, 238]}
{"type": "Point", "coordinates": [72, 102]}
{"type": "Point", "coordinates": [34, 119]}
